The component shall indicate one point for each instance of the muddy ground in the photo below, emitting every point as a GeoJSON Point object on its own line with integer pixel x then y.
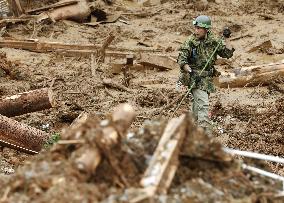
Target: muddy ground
{"type": "Point", "coordinates": [249, 118]}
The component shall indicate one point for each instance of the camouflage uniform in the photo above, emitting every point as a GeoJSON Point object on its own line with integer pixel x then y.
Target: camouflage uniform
{"type": "Point", "coordinates": [195, 53]}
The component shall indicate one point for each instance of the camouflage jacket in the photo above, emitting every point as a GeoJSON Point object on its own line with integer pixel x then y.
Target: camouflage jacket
{"type": "Point", "coordinates": [195, 53]}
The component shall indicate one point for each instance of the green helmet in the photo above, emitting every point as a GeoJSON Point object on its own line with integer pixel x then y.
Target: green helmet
{"type": "Point", "coordinates": [202, 21]}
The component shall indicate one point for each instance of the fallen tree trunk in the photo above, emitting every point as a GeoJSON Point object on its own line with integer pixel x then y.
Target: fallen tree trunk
{"type": "Point", "coordinates": [27, 102]}
{"type": "Point", "coordinates": [252, 76]}
{"type": "Point", "coordinates": [21, 136]}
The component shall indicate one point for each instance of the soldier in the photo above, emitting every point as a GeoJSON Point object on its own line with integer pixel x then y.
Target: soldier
{"type": "Point", "coordinates": [194, 54]}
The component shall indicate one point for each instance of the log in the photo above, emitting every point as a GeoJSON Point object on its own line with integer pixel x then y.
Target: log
{"type": "Point", "coordinates": [21, 136]}
{"type": "Point", "coordinates": [78, 12]}
{"type": "Point", "coordinates": [259, 69]}
{"type": "Point", "coordinates": [252, 76]}
{"type": "Point", "coordinates": [26, 102]}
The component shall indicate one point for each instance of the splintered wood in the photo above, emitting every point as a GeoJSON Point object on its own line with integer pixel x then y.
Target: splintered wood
{"type": "Point", "coordinates": [164, 163]}
{"type": "Point", "coordinates": [252, 76]}
{"type": "Point", "coordinates": [26, 102]}
{"type": "Point", "coordinates": [21, 136]}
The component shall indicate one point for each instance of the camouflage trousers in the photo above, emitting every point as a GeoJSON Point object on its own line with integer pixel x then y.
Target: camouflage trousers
{"type": "Point", "coordinates": [200, 109]}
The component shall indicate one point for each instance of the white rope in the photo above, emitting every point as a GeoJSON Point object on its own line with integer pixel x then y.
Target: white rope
{"type": "Point", "coordinates": [254, 155]}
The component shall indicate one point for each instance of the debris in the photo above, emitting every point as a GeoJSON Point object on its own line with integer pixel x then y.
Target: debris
{"type": "Point", "coordinates": [20, 136]}
{"type": "Point", "coordinates": [263, 47]}
{"type": "Point", "coordinates": [110, 83]}
{"type": "Point", "coordinates": [252, 76]}
{"type": "Point", "coordinates": [26, 102]}
{"type": "Point", "coordinates": [109, 19]}
{"type": "Point", "coordinates": [4, 7]}
{"type": "Point", "coordinates": [266, 16]}
{"type": "Point", "coordinates": [102, 50]}
{"type": "Point", "coordinates": [164, 162]}
{"type": "Point", "coordinates": [52, 6]}
{"type": "Point", "coordinates": [16, 7]}
{"type": "Point", "coordinates": [78, 12]}
{"type": "Point", "coordinates": [161, 62]}
{"type": "Point", "coordinates": [71, 49]}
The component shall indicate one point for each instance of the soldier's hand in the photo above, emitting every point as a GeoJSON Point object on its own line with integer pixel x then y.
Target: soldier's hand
{"type": "Point", "coordinates": [227, 32]}
{"type": "Point", "coordinates": [187, 68]}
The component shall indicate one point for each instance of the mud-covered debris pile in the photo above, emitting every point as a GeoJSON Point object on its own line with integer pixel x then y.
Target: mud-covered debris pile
{"type": "Point", "coordinates": [98, 160]}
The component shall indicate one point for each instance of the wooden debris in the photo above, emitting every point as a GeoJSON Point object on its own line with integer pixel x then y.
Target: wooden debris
{"type": "Point", "coordinates": [89, 160]}
{"type": "Point", "coordinates": [70, 49]}
{"type": "Point", "coordinates": [7, 21]}
{"type": "Point", "coordinates": [161, 62]}
{"type": "Point", "coordinates": [252, 76]}
{"type": "Point", "coordinates": [102, 50]}
{"type": "Point", "coordinates": [109, 19]}
{"type": "Point", "coordinates": [53, 6]}
{"type": "Point", "coordinates": [21, 136]}
{"type": "Point", "coordinates": [77, 12]}
{"type": "Point", "coordinates": [16, 7]}
{"type": "Point", "coordinates": [110, 83]}
{"type": "Point", "coordinates": [38, 46]}
{"type": "Point", "coordinates": [106, 142]}
{"type": "Point", "coordinates": [164, 162]}
{"type": "Point", "coordinates": [263, 47]}
{"type": "Point", "coordinates": [26, 102]}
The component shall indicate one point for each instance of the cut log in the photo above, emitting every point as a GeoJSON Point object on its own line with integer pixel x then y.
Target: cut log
{"type": "Point", "coordinates": [252, 76]}
{"type": "Point", "coordinates": [164, 162]}
{"type": "Point", "coordinates": [21, 136]}
{"type": "Point", "coordinates": [26, 102]}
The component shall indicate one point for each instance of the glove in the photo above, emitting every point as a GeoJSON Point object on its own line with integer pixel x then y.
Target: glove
{"type": "Point", "coordinates": [227, 32]}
